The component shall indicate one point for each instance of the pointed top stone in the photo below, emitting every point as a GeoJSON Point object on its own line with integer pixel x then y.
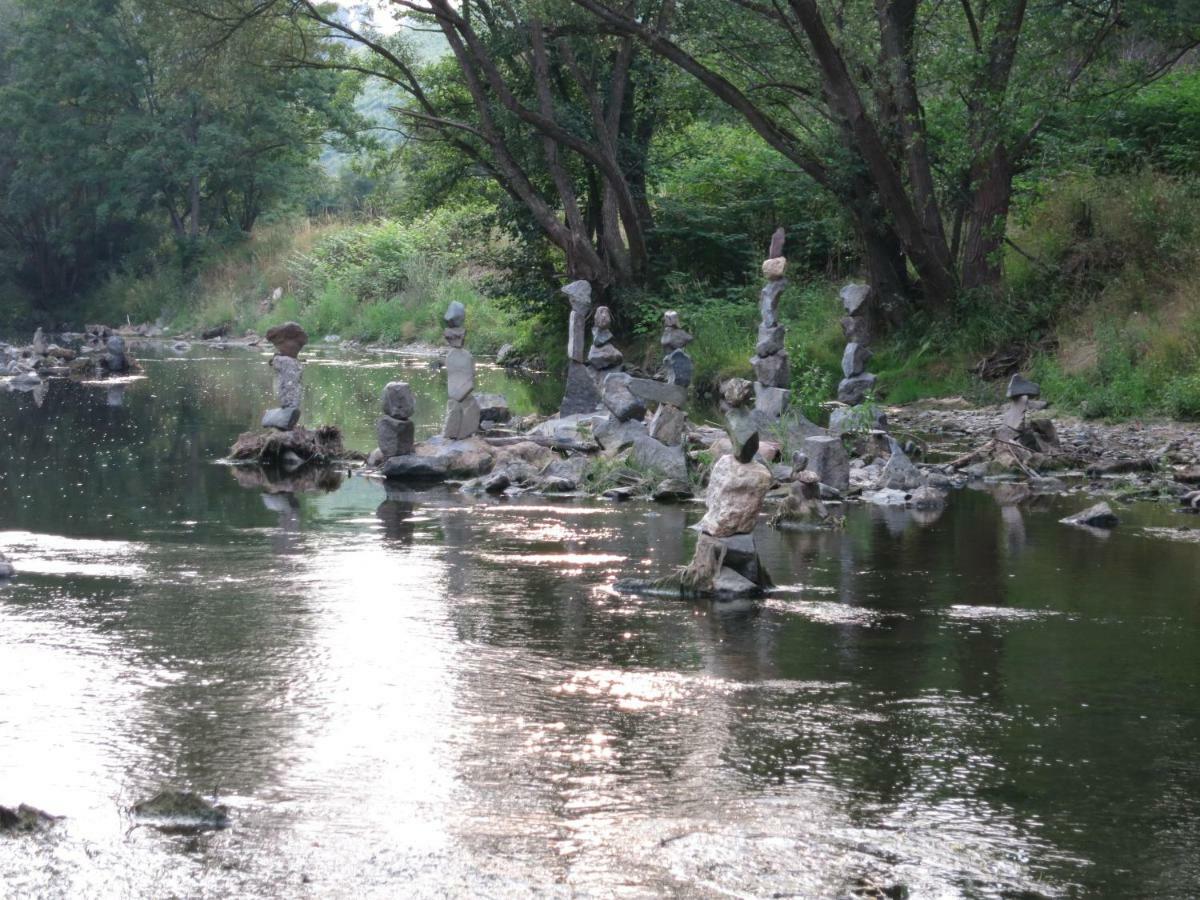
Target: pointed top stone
{"type": "Point", "coordinates": [776, 243]}
{"type": "Point", "coordinates": [1019, 386]}
{"type": "Point", "coordinates": [579, 293]}
{"type": "Point", "coordinates": [854, 296]}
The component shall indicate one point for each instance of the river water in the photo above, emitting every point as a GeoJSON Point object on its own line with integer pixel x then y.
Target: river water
{"type": "Point", "coordinates": [418, 693]}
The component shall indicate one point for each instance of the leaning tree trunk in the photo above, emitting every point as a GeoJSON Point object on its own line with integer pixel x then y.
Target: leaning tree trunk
{"type": "Point", "coordinates": [982, 260]}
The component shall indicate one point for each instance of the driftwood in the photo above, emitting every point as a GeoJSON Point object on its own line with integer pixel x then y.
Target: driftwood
{"type": "Point", "coordinates": [292, 449]}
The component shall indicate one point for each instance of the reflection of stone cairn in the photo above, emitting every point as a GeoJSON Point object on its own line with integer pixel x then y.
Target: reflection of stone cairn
{"type": "Point", "coordinates": [288, 339]}
{"type": "Point", "coordinates": [726, 559]}
{"type": "Point", "coordinates": [604, 355]}
{"type": "Point", "coordinates": [462, 411]}
{"type": "Point", "coordinates": [856, 326]}
{"type": "Point", "coordinates": [395, 427]}
{"type": "Point", "coordinates": [771, 371]}
{"type": "Point", "coordinates": [116, 360]}
{"type": "Point", "coordinates": [670, 421]}
{"type": "Point", "coordinates": [580, 395]}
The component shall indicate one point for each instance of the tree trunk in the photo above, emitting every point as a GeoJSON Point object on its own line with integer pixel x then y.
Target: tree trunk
{"type": "Point", "coordinates": [982, 264]}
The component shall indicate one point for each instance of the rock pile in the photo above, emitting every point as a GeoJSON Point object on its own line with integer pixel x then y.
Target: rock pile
{"type": "Point", "coordinates": [772, 373]}
{"type": "Point", "coordinates": [115, 360]}
{"type": "Point", "coordinates": [726, 560]}
{"type": "Point", "coordinates": [462, 410]}
{"type": "Point", "coordinates": [803, 502]}
{"type": "Point", "coordinates": [856, 326]}
{"type": "Point", "coordinates": [288, 339]}
{"type": "Point", "coordinates": [669, 423]}
{"type": "Point", "coordinates": [604, 355]}
{"type": "Point", "coordinates": [580, 395]}
{"type": "Point", "coordinates": [394, 428]}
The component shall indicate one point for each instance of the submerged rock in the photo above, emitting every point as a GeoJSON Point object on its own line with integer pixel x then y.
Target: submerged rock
{"type": "Point", "coordinates": [6, 568]}
{"type": "Point", "coordinates": [25, 818]}
{"type": "Point", "coordinates": [180, 811]}
{"type": "Point", "coordinates": [1098, 516]}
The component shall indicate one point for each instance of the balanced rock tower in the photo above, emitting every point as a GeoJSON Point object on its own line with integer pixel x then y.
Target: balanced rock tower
{"type": "Point", "coordinates": [462, 410]}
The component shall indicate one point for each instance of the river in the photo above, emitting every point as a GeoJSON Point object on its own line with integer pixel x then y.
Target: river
{"type": "Point", "coordinates": [414, 692]}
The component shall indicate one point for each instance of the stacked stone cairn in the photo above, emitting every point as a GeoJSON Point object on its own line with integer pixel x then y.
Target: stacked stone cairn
{"type": "Point", "coordinates": [669, 423]}
{"type": "Point", "coordinates": [288, 339]}
{"type": "Point", "coordinates": [462, 410]}
{"type": "Point", "coordinates": [725, 562]}
{"type": "Point", "coordinates": [772, 373]}
{"type": "Point", "coordinates": [604, 356]}
{"type": "Point", "coordinates": [581, 395]}
{"type": "Point", "coordinates": [1035, 434]}
{"type": "Point", "coordinates": [856, 326]}
{"type": "Point", "coordinates": [803, 502]}
{"type": "Point", "coordinates": [395, 428]}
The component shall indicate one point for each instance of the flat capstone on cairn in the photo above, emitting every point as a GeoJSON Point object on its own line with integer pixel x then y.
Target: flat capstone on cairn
{"type": "Point", "coordinates": [725, 562]}
{"type": "Point", "coordinates": [462, 410]}
{"type": "Point", "coordinates": [288, 340]}
{"type": "Point", "coordinates": [581, 394]}
{"type": "Point", "coordinates": [669, 423]}
{"type": "Point", "coordinates": [1035, 434]}
{"type": "Point", "coordinates": [857, 382]}
{"type": "Point", "coordinates": [772, 374]}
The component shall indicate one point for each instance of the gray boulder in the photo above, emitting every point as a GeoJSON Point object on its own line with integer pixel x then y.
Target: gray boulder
{"type": "Point", "coordinates": [493, 408]}
{"type": "Point", "coordinates": [772, 402]}
{"type": "Point", "coordinates": [415, 467]}
{"type": "Point", "coordinates": [395, 436]}
{"type": "Point", "coordinates": [6, 568]}
{"type": "Point", "coordinates": [289, 381]}
{"type": "Point", "coordinates": [282, 418]}
{"type": "Point", "coordinates": [658, 391]}
{"type": "Point", "coordinates": [603, 357]}
{"type": "Point", "coordinates": [614, 435]}
{"type": "Point", "coordinates": [460, 374]}
{"type": "Point", "coordinates": [398, 400]}
{"type": "Point", "coordinates": [899, 473]}
{"type": "Point", "coordinates": [772, 371]}
{"type": "Point", "coordinates": [1098, 516]}
{"type": "Point", "coordinates": [679, 367]}
{"type": "Point", "coordinates": [855, 359]}
{"type": "Point", "coordinates": [854, 298]}
{"type": "Point", "coordinates": [456, 315]}
{"type": "Point", "coordinates": [852, 391]}
{"type": "Point", "coordinates": [1019, 386]}
{"type": "Point", "coordinates": [670, 462]}
{"type": "Point", "coordinates": [620, 399]}
{"type": "Point", "coordinates": [827, 457]}
{"type": "Point", "coordinates": [462, 419]}
{"type": "Point", "coordinates": [580, 394]}
{"type": "Point", "coordinates": [668, 424]}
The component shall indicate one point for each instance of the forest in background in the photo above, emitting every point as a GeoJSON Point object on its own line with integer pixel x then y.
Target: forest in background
{"type": "Point", "coordinates": [1015, 180]}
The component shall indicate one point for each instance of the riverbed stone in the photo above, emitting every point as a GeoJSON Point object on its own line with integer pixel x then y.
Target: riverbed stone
{"type": "Point", "coordinates": [493, 408]}
{"type": "Point", "coordinates": [579, 295]}
{"type": "Point", "coordinates": [827, 457]}
{"type": "Point", "coordinates": [854, 298]}
{"type": "Point", "coordinates": [462, 419]}
{"type": "Point", "coordinates": [668, 424]}
{"type": "Point", "coordinates": [460, 374]}
{"type": "Point", "coordinates": [679, 368]}
{"type": "Point", "coordinates": [116, 360]}
{"type": "Point", "coordinates": [288, 339]}
{"type": "Point", "coordinates": [770, 339]}
{"type": "Point", "coordinates": [771, 401]}
{"type": "Point", "coordinates": [1098, 516]}
{"type": "Point", "coordinates": [774, 268]}
{"type": "Point", "coordinates": [768, 302]}
{"type": "Point", "coordinates": [6, 568]}
{"type": "Point", "coordinates": [658, 391]}
{"type": "Point", "coordinates": [398, 400]}
{"type": "Point", "coordinates": [853, 391]}
{"type": "Point", "coordinates": [603, 357]}
{"type": "Point", "coordinates": [456, 315]}
{"type": "Point", "coordinates": [741, 555]}
{"type": "Point", "coordinates": [289, 381]}
{"type": "Point", "coordinates": [281, 418]}
{"type": "Point", "coordinates": [620, 399]}
{"type": "Point", "coordinates": [652, 454]}
{"type": "Point", "coordinates": [736, 491]}
{"type": "Point", "coordinates": [899, 473]}
{"type": "Point", "coordinates": [580, 394]}
{"type": "Point", "coordinates": [613, 435]}
{"type": "Point", "coordinates": [772, 371]}
{"type": "Point", "coordinates": [395, 436]}
{"type": "Point", "coordinates": [855, 359]}
{"type": "Point", "coordinates": [411, 466]}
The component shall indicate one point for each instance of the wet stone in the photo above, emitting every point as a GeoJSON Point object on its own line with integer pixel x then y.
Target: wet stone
{"type": "Point", "coordinates": [395, 436]}
{"type": "Point", "coordinates": [398, 400]}
{"type": "Point", "coordinates": [679, 368]}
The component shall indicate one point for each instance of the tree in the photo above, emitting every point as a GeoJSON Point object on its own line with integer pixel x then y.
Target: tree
{"type": "Point", "coordinates": [916, 116]}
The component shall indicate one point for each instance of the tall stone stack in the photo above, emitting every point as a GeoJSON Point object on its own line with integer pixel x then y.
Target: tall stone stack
{"type": "Point", "coordinates": [772, 374]}
{"type": "Point", "coordinates": [726, 558]}
{"type": "Point", "coordinates": [670, 421]}
{"type": "Point", "coordinates": [395, 428]}
{"type": "Point", "coordinates": [581, 394]}
{"type": "Point", "coordinates": [1020, 391]}
{"type": "Point", "coordinates": [857, 382]}
{"type": "Point", "coordinates": [462, 410]}
{"type": "Point", "coordinates": [288, 339]}
{"type": "Point", "coordinates": [604, 355]}
{"type": "Point", "coordinates": [115, 360]}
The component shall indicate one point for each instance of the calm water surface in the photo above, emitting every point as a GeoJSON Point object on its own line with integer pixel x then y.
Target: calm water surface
{"type": "Point", "coordinates": [418, 693]}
